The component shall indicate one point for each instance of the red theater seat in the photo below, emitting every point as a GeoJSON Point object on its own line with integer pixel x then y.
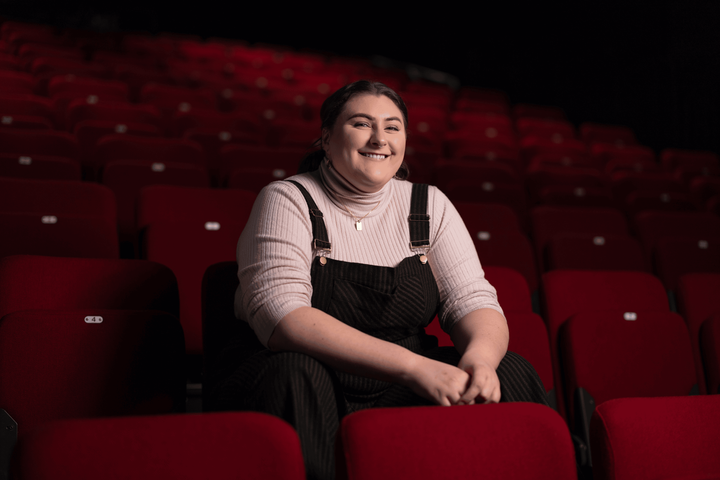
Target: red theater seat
{"type": "Point", "coordinates": [127, 177]}
{"type": "Point", "coordinates": [128, 163]}
{"type": "Point", "coordinates": [61, 235]}
{"type": "Point", "coordinates": [676, 256]}
{"type": "Point", "coordinates": [541, 177]}
{"type": "Point", "coordinates": [548, 221]}
{"type": "Point", "coordinates": [698, 301]}
{"type": "Point", "coordinates": [447, 172]}
{"type": "Point", "coordinates": [617, 354]}
{"type": "Point", "coordinates": [59, 364]}
{"type": "Point", "coordinates": [39, 167]}
{"type": "Point", "coordinates": [577, 251]}
{"type": "Point", "coordinates": [44, 154]}
{"type": "Point", "coordinates": [206, 222]}
{"type": "Point", "coordinates": [234, 157]}
{"type": "Point", "coordinates": [16, 82]}
{"type": "Point", "coordinates": [507, 248]}
{"type": "Point", "coordinates": [487, 216]}
{"type": "Point", "coordinates": [510, 441]}
{"type": "Point", "coordinates": [529, 338]}
{"type": "Point", "coordinates": [152, 149]}
{"type": "Point", "coordinates": [532, 146]}
{"type": "Point", "coordinates": [221, 446]}
{"type": "Point", "coordinates": [474, 191]}
{"type": "Point", "coordinates": [39, 142]}
{"type": "Point", "coordinates": [569, 292]}
{"type": "Point", "coordinates": [512, 289]}
{"type": "Point", "coordinates": [49, 197]}
{"type": "Point", "coordinates": [673, 437]}
{"type": "Point", "coordinates": [26, 105]}
{"type": "Point", "coordinates": [171, 99]}
{"type": "Point", "coordinates": [575, 196]}
{"type": "Point", "coordinates": [88, 132]}
{"type": "Point", "coordinates": [35, 282]}
{"type": "Point", "coordinates": [118, 112]}
{"type": "Point", "coordinates": [651, 226]}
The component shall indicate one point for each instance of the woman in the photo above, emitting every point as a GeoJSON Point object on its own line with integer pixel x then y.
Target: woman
{"type": "Point", "coordinates": [340, 269]}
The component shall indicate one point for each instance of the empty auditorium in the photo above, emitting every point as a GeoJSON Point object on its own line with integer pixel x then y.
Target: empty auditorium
{"type": "Point", "coordinates": [359, 242]}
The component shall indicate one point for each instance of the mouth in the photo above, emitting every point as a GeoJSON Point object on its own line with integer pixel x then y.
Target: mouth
{"type": "Point", "coordinates": [376, 156]}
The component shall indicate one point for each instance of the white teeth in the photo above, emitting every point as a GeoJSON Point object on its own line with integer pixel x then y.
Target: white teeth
{"type": "Point", "coordinates": [370, 155]}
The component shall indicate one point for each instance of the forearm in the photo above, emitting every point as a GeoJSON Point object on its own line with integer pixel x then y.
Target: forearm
{"type": "Point", "coordinates": [484, 332]}
{"type": "Point", "coordinates": [310, 331]}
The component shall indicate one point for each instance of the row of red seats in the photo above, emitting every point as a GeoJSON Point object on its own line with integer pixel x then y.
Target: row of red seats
{"type": "Point", "coordinates": [209, 137]}
{"type": "Point", "coordinates": [604, 325]}
{"type": "Point", "coordinates": [636, 438]}
{"type": "Point", "coordinates": [80, 219]}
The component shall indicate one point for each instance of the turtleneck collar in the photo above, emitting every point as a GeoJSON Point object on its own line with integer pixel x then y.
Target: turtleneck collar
{"type": "Point", "coordinates": [358, 202]}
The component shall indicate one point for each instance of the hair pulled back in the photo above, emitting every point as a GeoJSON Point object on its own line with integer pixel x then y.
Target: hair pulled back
{"type": "Point", "coordinates": [333, 106]}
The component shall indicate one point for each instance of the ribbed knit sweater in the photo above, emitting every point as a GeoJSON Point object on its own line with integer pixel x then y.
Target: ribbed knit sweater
{"type": "Point", "coordinates": [275, 251]}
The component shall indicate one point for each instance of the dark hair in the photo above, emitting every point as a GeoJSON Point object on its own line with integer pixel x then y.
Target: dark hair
{"type": "Point", "coordinates": [333, 106]}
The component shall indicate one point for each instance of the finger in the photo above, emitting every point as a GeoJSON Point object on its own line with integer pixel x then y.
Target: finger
{"type": "Point", "coordinates": [472, 392]}
{"type": "Point", "coordinates": [442, 400]}
{"type": "Point", "coordinates": [492, 395]}
{"type": "Point", "coordinates": [497, 395]}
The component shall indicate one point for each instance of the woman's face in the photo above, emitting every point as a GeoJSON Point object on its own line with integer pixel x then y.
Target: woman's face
{"type": "Point", "coordinates": [367, 144]}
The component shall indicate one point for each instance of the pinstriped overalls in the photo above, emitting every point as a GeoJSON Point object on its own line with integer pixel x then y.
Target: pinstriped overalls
{"type": "Point", "coordinates": [390, 303]}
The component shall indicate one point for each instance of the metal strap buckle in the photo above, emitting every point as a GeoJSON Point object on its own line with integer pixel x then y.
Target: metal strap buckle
{"type": "Point", "coordinates": [321, 245]}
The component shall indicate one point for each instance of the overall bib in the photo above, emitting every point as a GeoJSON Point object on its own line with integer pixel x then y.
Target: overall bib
{"type": "Point", "coordinates": [390, 303]}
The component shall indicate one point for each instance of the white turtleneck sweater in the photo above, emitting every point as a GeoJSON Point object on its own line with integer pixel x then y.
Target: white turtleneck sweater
{"type": "Point", "coordinates": [275, 252]}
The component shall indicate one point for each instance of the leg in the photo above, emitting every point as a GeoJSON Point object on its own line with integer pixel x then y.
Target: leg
{"type": "Point", "coordinates": [298, 389]}
{"type": "Point", "coordinates": [519, 382]}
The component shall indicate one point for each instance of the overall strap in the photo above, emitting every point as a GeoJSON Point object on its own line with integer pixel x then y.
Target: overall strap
{"type": "Point", "coordinates": [418, 219]}
{"type": "Point", "coordinates": [320, 236]}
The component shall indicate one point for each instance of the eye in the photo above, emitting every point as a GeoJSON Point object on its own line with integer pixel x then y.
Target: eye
{"type": "Point", "coordinates": [394, 128]}
{"type": "Point", "coordinates": [362, 124]}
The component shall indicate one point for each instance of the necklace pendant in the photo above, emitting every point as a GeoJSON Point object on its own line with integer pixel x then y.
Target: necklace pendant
{"type": "Point", "coordinates": [358, 225]}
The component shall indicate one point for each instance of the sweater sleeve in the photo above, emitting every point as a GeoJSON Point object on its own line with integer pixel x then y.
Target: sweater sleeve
{"type": "Point", "coordinates": [274, 255]}
{"type": "Point", "coordinates": [456, 266]}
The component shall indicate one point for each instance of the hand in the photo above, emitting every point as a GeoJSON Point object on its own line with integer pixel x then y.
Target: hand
{"type": "Point", "coordinates": [484, 384]}
{"type": "Point", "coordinates": [436, 381]}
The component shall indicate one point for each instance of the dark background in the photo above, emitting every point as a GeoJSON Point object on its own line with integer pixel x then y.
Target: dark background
{"type": "Point", "coordinates": [652, 66]}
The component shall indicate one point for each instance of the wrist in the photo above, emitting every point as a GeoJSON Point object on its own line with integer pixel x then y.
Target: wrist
{"type": "Point", "coordinates": [482, 356]}
{"type": "Point", "coordinates": [409, 364]}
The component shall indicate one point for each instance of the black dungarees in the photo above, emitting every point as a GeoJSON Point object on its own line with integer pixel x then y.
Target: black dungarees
{"type": "Point", "coordinates": [393, 304]}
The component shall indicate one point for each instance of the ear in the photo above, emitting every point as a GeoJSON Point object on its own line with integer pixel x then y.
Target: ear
{"type": "Point", "coordinates": [325, 138]}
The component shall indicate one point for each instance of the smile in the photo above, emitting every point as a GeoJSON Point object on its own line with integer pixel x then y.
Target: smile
{"type": "Point", "coordinates": [374, 155]}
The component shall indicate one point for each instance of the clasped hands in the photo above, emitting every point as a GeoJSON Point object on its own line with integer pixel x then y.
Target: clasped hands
{"type": "Point", "coordinates": [474, 380]}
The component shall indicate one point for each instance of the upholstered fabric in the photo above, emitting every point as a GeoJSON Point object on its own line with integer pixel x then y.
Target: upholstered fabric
{"type": "Point", "coordinates": [219, 446]}
{"type": "Point", "coordinates": [37, 282]}
{"type": "Point", "coordinates": [671, 437]}
{"type": "Point", "coordinates": [509, 441]}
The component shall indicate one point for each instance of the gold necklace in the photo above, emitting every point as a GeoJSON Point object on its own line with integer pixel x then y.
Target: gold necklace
{"type": "Point", "coordinates": [358, 222]}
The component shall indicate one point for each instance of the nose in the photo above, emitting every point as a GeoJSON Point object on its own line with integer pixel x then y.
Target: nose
{"type": "Point", "coordinates": [378, 138]}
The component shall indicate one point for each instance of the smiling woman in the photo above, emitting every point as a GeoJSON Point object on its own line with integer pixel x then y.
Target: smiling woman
{"type": "Point", "coordinates": [367, 145]}
{"type": "Point", "coordinates": [341, 267]}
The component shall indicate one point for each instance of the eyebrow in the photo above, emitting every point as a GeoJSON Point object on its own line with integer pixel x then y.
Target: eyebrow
{"type": "Point", "coordinates": [370, 117]}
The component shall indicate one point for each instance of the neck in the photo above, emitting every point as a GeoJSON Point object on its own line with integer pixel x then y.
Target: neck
{"type": "Point", "coordinates": [342, 192]}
